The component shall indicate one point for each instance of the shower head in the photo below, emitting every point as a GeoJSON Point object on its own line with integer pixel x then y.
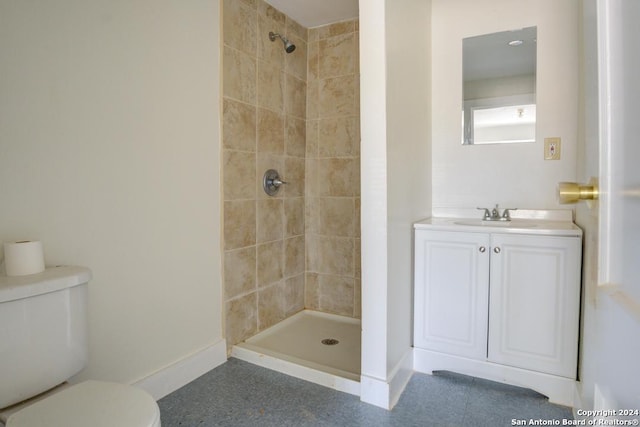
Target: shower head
{"type": "Point", "coordinates": [288, 46]}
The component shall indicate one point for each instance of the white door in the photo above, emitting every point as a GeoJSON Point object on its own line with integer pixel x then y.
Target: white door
{"type": "Point", "coordinates": [620, 146]}
{"type": "Point", "coordinates": [451, 292]}
{"type": "Point", "coordinates": [617, 312]}
{"type": "Point", "coordinates": [534, 302]}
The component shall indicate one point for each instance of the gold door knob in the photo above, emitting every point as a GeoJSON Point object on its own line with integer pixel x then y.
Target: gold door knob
{"type": "Point", "coordinates": [572, 192]}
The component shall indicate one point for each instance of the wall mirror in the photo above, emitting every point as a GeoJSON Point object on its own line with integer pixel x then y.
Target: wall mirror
{"type": "Point", "coordinates": [499, 87]}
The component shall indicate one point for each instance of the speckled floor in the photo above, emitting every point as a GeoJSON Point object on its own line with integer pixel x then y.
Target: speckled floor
{"type": "Point", "coordinates": [241, 394]}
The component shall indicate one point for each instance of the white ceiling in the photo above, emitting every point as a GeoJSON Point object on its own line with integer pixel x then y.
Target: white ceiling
{"type": "Point", "coordinates": [315, 13]}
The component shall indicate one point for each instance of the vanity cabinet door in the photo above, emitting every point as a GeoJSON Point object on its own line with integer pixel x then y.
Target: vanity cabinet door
{"type": "Point", "coordinates": [451, 292]}
{"type": "Point", "coordinates": [535, 302]}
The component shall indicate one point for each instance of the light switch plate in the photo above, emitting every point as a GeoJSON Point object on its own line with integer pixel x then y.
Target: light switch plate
{"type": "Point", "coordinates": [552, 148]}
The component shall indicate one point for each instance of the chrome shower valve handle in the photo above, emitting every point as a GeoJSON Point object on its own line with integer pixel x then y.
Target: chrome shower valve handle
{"type": "Point", "coordinates": [271, 182]}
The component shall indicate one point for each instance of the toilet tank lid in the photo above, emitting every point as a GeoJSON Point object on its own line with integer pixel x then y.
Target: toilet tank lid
{"type": "Point", "coordinates": [50, 280]}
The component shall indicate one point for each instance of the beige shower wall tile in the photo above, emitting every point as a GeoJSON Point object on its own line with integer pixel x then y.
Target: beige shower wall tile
{"type": "Point", "coordinates": [295, 29]}
{"type": "Point", "coordinates": [313, 57]}
{"type": "Point", "coordinates": [294, 256]}
{"type": "Point", "coordinates": [274, 15]}
{"type": "Point", "coordinates": [335, 256]}
{"type": "Point", "coordinates": [356, 54]}
{"type": "Point", "coordinates": [312, 251]}
{"type": "Point", "coordinates": [270, 82]}
{"type": "Point", "coordinates": [270, 131]}
{"type": "Point", "coordinates": [311, 291]}
{"type": "Point", "coordinates": [357, 89]}
{"type": "Point", "coordinates": [294, 216]}
{"type": "Point", "coordinates": [239, 125]}
{"type": "Point", "coordinates": [311, 182]}
{"type": "Point", "coordinates": [296, 61]}
{"type": "Point", "coordinates": [311, 215]}
{"type": "Point", "coordinates": [337, 97]}
{"type": "Point", "coordinates": [239, 224]}
{"type": "Point", "coordinates": [270, 263]}
{"type": "Point", "coordinates": [357, 255]}
{"type": "Point", "coordinates": [270, 51]}
{"type": "Point", "coordinates": [357, 303]}
{"type": "Point", "coordinates": [294, 176]}
{"type": "Point", "coordinates": [265, 162]}
{"type": "Point", "coordinates": [313, 99]}
{"type": "Point", "coordinates": [295, 140]}
{"type": "Point", "coordinates": [312, 138]}
{"type": "Point", "coordinates": [270, 220]}
{"type": "Point", "coordinates": [339, 137]}
{"type": "Point", "coordinates": [253, 4]}
{"type": "Point", "coordinates": [293, 295]}
{"type": "Point", "coordinates": [336, 29]}
{"type": "Point", "coordinates": [239, 175]}
{"type": "Point", "coordinates": [271, 306]}
{"type": "Point", "coordinates": [295, 102]}
{"type": "Point", "coordinates": [241, 318]}
{"type": "Point", "coordinates": [336, 294]}
{"type": "Point", "coordinates": [239, 76]}
{"type": "Point", "coordinates": [336, 56]}
{"type": "Point", "coordinates": [356, 177]}
{"type": "Point", "coordinates": [357, 216]}
{"type": "Point", "coordinates": [239, 26]}
{"type": "Point", "coordinates": [337, 177]}
{"type": "Point", "coordinates": [239, 272]}
{"type": "Point", "coordinates": [335, 216]}
{"type": "Point", "coordinates": [313, 34]}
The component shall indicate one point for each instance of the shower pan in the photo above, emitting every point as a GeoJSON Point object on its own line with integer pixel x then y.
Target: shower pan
{"type": "Point", "coordinates": [318, 347]}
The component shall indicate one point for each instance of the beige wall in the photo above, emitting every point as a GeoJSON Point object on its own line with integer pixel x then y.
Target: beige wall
{"type": "Point", "coordinates": [510, 174]}
{"type": "Point", "coordinates": [263, 128]}
{"type": "Point", "coordinates": [109, 147]}
{"type": "Point", "coordinates": [333, 170]}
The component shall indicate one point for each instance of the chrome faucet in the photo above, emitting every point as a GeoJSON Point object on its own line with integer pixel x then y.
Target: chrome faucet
{"type": "Point", "coordinates": [487, 214]}
{"type": "Point", "coordinates": [505, 214]}
{"type": "Point", "coordinates": [494, 214]}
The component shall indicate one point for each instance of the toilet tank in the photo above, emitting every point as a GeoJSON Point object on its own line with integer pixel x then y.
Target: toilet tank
{"type": "Point", "coordinates": [43, 331]}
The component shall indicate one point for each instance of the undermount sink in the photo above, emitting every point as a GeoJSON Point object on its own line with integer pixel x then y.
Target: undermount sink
{"type": "Point", "coordinates": [505, 224]}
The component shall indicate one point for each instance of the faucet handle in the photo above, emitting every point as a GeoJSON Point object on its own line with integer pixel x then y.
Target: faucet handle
{"type": "Point", "coordinates": [505, 213]}
{"type": "Point", "coordinates": [486, 215]}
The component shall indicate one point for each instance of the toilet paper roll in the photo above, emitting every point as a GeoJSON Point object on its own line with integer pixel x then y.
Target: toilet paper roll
{"type": "Point", "coordinates": [23, 257]}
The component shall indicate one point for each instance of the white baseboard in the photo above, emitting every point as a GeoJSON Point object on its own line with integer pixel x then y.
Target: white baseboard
{"type": "Point", "coordinates": [374, 391]}
{"type": "Point", "coordinates": [559, 390]}
{"type": "Point", "coordinates": [400, 377]}
{"type": "Point", "coordinates": [182, 372]}
{"type": "Point", "coordinates": [386, 394]}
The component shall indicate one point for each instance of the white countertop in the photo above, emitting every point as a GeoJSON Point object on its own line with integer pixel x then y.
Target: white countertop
{"type": "Point", "coordinates": [515, 226]}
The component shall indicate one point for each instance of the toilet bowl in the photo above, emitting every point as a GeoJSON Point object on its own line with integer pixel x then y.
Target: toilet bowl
{"type": "Point", "coordinates": [43, 344]}
{"type": "Point", "coordinates": [91, 403]}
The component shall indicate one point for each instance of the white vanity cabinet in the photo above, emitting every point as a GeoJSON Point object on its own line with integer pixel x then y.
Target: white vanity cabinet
{"type": "Point", "coordinates": [534, 301]}
{"type": "Point", "coordinates": [452, 292]}
{"type": "Point", "coordinates": [501, 304]}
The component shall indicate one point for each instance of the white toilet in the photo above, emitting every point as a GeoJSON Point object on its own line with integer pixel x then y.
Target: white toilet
{"type": "Point", "coordinates": [43, 342]}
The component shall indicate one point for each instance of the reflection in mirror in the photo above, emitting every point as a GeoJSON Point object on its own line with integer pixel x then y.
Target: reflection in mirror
{"type": "Point", "coordinates": [499, 87]}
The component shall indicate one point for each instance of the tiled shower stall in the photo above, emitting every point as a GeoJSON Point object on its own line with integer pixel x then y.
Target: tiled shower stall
{"type": "Point", "coordinates": [297, 113]}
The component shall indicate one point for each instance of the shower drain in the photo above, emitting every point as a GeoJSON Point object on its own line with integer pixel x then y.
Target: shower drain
{"type": "Point", "coordinates": [329, 341]}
